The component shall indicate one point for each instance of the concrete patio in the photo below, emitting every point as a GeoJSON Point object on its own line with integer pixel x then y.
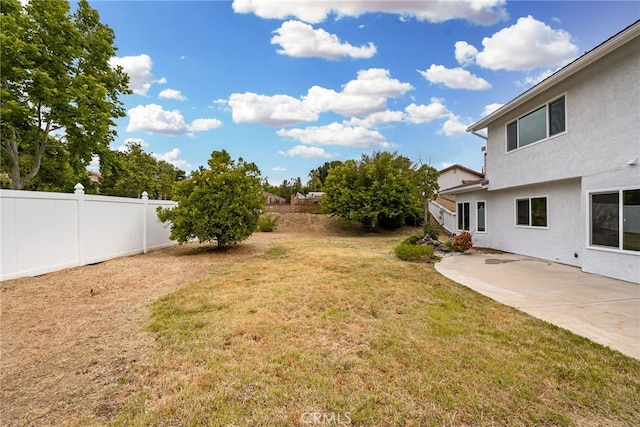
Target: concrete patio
{"type": "Point", "coordinates": [606, 311]}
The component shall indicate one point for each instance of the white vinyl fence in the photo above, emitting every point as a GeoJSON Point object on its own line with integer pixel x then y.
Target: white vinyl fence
{"type": "Point", "coordinates": [45, 232]}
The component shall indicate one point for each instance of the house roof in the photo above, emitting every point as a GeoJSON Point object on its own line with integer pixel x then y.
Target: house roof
{"type": "Point", "coordinates": [608, 46]}
{"type": "Point", "coordinates": [457, 166]}
{"type": "Point", "coordinates": [480, 184]}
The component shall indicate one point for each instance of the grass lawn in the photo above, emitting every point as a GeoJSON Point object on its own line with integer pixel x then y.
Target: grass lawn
{"type": "Point", "coordinates": [337, 330]}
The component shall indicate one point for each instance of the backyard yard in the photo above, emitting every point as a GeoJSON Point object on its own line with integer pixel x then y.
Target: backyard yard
{"type": "Point", "coordinates": [313, 324]}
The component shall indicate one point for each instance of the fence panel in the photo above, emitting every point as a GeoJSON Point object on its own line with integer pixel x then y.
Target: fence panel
{"type": "Point", "coordinates": [113, 227]}
{"type": "Point", "coordinates": [158, 232]}
{"type": "Point", "coordinates": [45, 232]}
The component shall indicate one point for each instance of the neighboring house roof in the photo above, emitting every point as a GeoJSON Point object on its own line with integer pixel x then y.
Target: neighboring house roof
{"type": "Point", "coordinates": [272, 196]}
{"type": "Point", "coordinates": [564, 73]}
{"type": "Point", "coordinates": [480, 184]}
{"type": "Point", "coordinates": [310, 195]}
{"type": "Point", "coordinates": [457, 166]}
{"type": "Point", "coordinates": [94, 176]}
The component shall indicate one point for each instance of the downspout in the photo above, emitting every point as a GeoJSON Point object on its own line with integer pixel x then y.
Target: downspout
{"type": "Point", "coordinates": [479, 135]}
{"type": "Point", "coordinates": [484, 149]}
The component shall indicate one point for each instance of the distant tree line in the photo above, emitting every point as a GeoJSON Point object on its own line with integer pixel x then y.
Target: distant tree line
{"type": "Point", "coordinates": [316, 182]}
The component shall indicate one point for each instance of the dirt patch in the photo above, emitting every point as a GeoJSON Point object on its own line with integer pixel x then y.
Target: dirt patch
{"type": "Point", "coordinates": [69, 337]}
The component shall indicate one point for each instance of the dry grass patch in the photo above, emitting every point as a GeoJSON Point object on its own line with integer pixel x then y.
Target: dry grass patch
{"type": "Point", "coordinates": [339, 329]}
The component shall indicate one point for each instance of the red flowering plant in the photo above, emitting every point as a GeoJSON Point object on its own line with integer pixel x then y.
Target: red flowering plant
{"type": "Point", "coordinates": [461, 242]}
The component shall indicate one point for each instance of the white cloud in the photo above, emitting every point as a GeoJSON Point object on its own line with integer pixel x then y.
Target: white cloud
{"type": "Point", "coordinates": [376, 82]}
{"type": "Point", "coordinates": [526, 45]}
{"type": "Point", "coordinates": [360, 97]}
{"type": "Point", "coordinates": [534, 80]}
{"type": "Point", "coordinates": [125, 148]}
{"type": "Point", "coordinates": [378, 118]}
{"type": "Point", "coordinates": [308, 152]}
{"type": "Point", "coordinates": [277, 110]}
{"type": "Point", "coordinates": [478, 11]}
{"type": "Point", "coordinates": [453, 126]}
{"type": "Point", "coordinates": [454, 78]}
{"type": "Point", "coordinates": [488, 109]}
{"type": "Point", "coordinates": [279, 169]}
{"type": "Point", "coordinates": [300, 40]}
{"type": "Point", "coordinates": [320, 100]}
{"type": "Point", "coordinates": [465, 53]}
{"type": "Point", "coordinates": [152, 118]}
{"type": "Point", "coordinates": [173, 157]}
{"type": "Point", "coordinates": [365, 95]}
{"type": "Point", "coordinates": [201, 125]}
{"type": "Point", "coordinates": [426, 113]}
{"type": "Point", "coordinates": [337, 134]}
{"type": "Point", "coordinates": [172, 94]}
{"type": "Point", "coordinates": [94, 165]}
{"type": "Point", "coordinates": [139, 70]}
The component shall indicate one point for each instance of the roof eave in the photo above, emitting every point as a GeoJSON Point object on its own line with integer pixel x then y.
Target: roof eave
{"type": "Point", "coordinates": [467, 188]}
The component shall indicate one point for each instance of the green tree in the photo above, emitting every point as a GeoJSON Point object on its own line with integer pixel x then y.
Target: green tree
{"type": "Point", "coordinates": [130, 172]}
{"type": "Point", "coordinates": [319, 175]}
{"type": "Point", "coordinates": [222, 203]}
{"type": "Point", "coordinates": [382, 189]}
{"type": "Point", "coordinates": [426, 182]}
{"type": "Point", "coordinates": [166, 177]}
{"type": "Point", "coordinates": [56, 80]}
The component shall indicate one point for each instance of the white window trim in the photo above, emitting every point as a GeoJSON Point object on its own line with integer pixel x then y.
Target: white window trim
{"type": "Point", "coordinates": [549, 137]}
{"type": "Point", "coordinates": [515, 212]}
{"type": "Point", "coordinates": [462, 216]}
{"type": "Point", "coordinates": [486, 227]}
{"type": "Point", "coordinates": [619, 249]}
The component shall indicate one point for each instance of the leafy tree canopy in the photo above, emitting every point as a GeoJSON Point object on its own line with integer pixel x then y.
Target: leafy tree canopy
{"type": "Point", "coordinates": [130, 172]}
{"type": "Point", "coordinates": [382, 189]}
{"type": "Point", "coordinates": [56, 81]}
{"type": "Point", "coordinates": [222, 203]}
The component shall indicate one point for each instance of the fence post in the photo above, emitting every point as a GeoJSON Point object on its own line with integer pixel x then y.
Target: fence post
{"type": "Point", "coordinates": [145, 231]}
{"type": "Point", "coordinates": [82, 255]}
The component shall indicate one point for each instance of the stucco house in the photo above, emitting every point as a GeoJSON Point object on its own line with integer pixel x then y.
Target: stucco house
{"type": "Point", "coordinates": [453, 176]}
{"type": "Point", "coordinates": [562, 178]}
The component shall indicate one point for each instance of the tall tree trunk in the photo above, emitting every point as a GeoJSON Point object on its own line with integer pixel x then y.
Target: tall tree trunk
{"type": "Point", "coordinates": [10, 147]}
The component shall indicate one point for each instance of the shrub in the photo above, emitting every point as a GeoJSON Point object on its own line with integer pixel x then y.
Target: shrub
{"type": "Point", "coordinates": [267, 223]}
{"type": "Point", "coordinates": [432, 229]}
{"type": "Point", "coordinates": [410, 252]}
{"type": "Point", "coordinates": [382, 190]}
{"type": "Point", "coordinates": [461, 242]}
{"type": "Point", "coordinates": [411, 240]}
{"type": "Point", "coordinates": [221, 204]}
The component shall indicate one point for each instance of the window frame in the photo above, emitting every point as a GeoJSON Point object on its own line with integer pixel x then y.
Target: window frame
{"type": "Point", "coordinates": [530, 212]}
{"type": "Point", "coordinates": [620, 248]}
{"type": "Point", "coordinates": [478, 216]}
{"type": "Point", "coordinates": [547, 114]}
{"type": "Point", "coordinates": [460, 215]}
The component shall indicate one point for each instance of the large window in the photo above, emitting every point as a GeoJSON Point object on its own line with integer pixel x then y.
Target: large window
{"type": "Point", "coordinates": [531, 212]}
{"type": "Point", "coordinates": [537, 125]}
{"type": "Point", "coordinates": [615, 219]}
{"type": "Point", "coordinates": [481, 209]}
{"type": "Point", "coordinates": [463, 216]}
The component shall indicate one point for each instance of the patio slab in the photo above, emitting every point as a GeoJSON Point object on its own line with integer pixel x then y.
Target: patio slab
{"type": "Point", "coordinates": [604, 310]}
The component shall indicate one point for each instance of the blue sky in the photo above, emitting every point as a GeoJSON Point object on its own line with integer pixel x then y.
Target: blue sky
{"type": "Point", "coordinates": [290, 85]}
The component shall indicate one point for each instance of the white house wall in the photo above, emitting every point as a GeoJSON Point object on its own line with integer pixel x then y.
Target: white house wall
{"type": "Point", "coordinates": [559, 242]}
{"type": "Point", "coordinates": [612, 263]}
{"type": "Point", "coordinates": [454, 177]}
{"type": "Point", "coordinates": [602, 127]}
